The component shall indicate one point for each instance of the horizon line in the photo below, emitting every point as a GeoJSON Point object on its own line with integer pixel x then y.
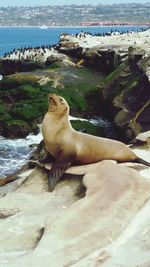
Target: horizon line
{"type": "Point", "coordinates": [91, 4]}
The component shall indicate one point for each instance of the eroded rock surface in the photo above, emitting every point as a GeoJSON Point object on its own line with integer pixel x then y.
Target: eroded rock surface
{"type": "Point", "coordinates": [105, 227]}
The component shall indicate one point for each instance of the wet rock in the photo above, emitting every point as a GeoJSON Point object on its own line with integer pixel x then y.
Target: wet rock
{"type": "Point", "coordinates": [16, 129]}
{"type": "Point", "coordinates": [8, 66]}
{"type": "Point", "coordinates": [127, 92]}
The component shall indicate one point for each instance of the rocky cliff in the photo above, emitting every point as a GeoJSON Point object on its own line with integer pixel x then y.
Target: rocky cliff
{"type": "Point", "coordinates": [125, 93]}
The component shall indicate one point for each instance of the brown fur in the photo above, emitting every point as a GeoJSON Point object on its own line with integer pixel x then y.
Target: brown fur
{"type": "Point", "coordinates": [67, 145]}
{"type": "Point", "coordinates": [61, 139]}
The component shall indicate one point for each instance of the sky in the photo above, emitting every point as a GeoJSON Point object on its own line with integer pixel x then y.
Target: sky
{"type": "Point", "coordinates": [5, 3]}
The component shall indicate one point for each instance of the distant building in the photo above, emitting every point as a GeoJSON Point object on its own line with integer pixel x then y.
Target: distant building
{"type": "Point", "coordinates": [112, 23]}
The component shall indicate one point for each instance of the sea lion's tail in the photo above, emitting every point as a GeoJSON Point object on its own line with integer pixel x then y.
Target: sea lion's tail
{"type": "Point", "coordinates": [142, 161]}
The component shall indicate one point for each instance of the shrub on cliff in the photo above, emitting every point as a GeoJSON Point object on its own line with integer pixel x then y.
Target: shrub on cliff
{"type": "Point", "coordinates": [88, 127]}
{"type": "Point", "coordinates": [28, 110]}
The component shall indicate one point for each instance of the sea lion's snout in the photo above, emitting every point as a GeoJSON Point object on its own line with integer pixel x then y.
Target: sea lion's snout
{"type": "Point", "coordinates": [52, 99]}
{"type": "Point", "coordinates": [57, 104]}
{"type": "Point", "coordinates": [51, 95]}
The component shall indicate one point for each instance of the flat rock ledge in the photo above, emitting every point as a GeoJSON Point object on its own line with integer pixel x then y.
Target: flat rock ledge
{"type": "Point", "coordinates": [103, 221]}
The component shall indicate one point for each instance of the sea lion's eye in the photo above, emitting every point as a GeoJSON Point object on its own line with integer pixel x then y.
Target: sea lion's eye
{"type": "Point", "coordinates": [61, 100]}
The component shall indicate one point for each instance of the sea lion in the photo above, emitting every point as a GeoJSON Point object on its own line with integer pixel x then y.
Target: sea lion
{"type": "Point", "coordinates": [67, 145]}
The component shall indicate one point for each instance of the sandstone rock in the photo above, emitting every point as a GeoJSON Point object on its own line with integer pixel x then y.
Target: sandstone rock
{"type": "Point", "coordinates": [59, 229]}
{"type": "Point", "coordinates": [144, 137]}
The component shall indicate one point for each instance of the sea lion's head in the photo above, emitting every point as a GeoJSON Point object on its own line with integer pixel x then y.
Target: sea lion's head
{"type": "Point", "coordinates": [57, 104]}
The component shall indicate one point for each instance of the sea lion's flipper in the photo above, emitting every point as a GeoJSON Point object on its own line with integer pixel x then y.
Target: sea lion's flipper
{"type": "Point", "coordinates": [142, 161]}
{"type": "Point", "coordinates": [56, 172]}
{"type": "Point", "coordinates": [8, 179]}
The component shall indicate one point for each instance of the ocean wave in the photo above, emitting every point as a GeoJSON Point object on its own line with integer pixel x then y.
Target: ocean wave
{"type": "Point", "coordinates": [15, 153]}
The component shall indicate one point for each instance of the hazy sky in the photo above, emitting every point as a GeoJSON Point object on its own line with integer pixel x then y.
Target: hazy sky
{"type": "Point", "coordinates": [61, 2]}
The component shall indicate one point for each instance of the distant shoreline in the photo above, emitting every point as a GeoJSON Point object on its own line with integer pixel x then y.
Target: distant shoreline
{"type": "Point", "coordinates": [79, 26]}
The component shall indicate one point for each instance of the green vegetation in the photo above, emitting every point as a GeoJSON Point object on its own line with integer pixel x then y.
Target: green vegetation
{"type": "Point", "coordinates": [52, 66]}
{"type": "Point", "coordinates": [23, 78]}
{"type": "Point", "coordinates": [113, 84]}
{"type": "Point", "coordinates": [133, 83]}
{"type": "Point", "coordinates": [17, 122]}
{"type": "Point", "coordinates": [88, 127]}
{"type": "Point", "coordinates": [30, 91]}
{"type": "Point", "coordinates": [24, 99]}
{"type": "Point", "coordinates": [6, 116]}
{"type": "Point", "coordinates": [115, 74]}
{"type": "Point", "coordinates": [2, 109]}
{"type": "Point", "coordinates": [75, 99]}
{"type": "Point", "coordinates": [3, 113]}
{"type": "Point", "coordinates": [28, 110]}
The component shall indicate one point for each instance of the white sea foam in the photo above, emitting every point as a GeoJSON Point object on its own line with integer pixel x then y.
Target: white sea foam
{"type": "Point", "coordinates": [15, 153]}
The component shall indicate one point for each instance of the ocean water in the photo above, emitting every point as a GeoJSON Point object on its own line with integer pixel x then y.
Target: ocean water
{"type": "Point", "coordinates": [15, 153]}
{"type": "Point", "coordinates": [11, 38]}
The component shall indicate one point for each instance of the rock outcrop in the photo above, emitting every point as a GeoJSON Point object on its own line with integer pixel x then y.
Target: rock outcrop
{"type": "Point", "coordinates": [101, 221]}
{"type": "Point", "coordinates": [125, 93]}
